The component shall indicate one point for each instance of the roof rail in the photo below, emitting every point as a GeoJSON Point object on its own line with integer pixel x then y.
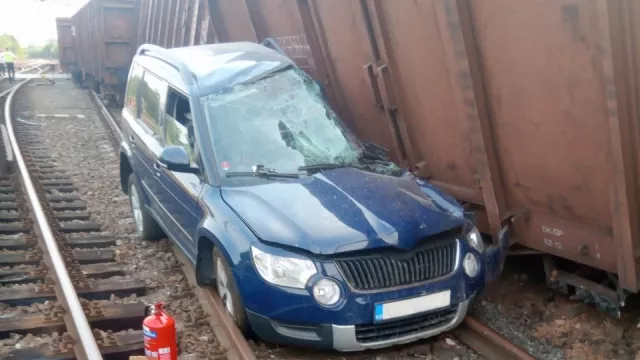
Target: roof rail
{"type": "Point", "coordinates": [185, 73]}
{"type": "Point", "coordinates": [273, 45]}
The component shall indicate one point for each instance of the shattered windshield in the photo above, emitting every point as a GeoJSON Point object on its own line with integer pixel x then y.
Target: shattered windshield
{"type": "Point", "coordinates": [281, 122]}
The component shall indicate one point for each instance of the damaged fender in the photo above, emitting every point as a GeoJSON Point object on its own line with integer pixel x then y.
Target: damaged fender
{"type": "Point", "coordinates": [495, 255]}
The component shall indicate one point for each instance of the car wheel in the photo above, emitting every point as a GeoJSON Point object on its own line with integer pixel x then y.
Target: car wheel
{"type": "Point", "coordinates": [228, 291]}
{"type": "Point", "coordinates": [146, 226]}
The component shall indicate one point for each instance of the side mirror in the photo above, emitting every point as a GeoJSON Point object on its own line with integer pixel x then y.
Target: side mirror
{"type": "Point", "coordinates": [175, 158]}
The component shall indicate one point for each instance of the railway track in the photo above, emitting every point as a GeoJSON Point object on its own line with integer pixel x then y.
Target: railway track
{"type": "Point", "coordinates": [59, 271]}
{"type": "Point", "coordinates": [58, 268]}
{"type": "Point", "coordinates": [65, 291]}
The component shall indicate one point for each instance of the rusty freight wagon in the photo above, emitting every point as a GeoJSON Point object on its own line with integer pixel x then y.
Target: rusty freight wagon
{"type": "Point", "coordinates": [526, 111]}
{"type": "Point", "coordinates": [66, 45]}
{"type": "Point", "coordinates": [105, 32]}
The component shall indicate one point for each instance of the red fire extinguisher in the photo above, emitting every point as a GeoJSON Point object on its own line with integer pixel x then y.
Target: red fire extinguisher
{"type": "Point", "coordinates": [159, 335]}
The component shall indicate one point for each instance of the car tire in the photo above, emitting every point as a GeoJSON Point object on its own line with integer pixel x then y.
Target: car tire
{"type": "Point", "coordinates": [227, 289]}
{"type": "Point", "coordinates": [146, 226]}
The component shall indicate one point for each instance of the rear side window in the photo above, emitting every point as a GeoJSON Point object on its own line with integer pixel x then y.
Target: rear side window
{"type": "Point", "coordinates": [131, 102]}
{"type": "Point", "coordinates": [152, 90]}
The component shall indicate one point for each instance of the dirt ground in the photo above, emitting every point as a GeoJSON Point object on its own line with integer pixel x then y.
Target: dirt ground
{"type": "Point", "coordinates": [552, 326]}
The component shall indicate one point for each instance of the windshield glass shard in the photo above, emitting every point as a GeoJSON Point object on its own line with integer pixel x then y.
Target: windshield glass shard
{"type": "Point", "coordinates": [281, 120]}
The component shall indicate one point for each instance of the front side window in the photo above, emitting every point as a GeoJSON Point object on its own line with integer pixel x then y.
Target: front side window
{"type": "Point", "coordinates": [151, 90]}
{"type": "Point", "coordinates": [179, 123]}
{"type": "Point", "coordinates": [281, 121]}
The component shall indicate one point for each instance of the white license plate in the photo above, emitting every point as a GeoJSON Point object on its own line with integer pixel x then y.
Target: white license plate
{"type": "Point", "coordinates": [396, 309]}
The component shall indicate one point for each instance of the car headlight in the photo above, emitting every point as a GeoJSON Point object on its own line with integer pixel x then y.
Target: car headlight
{"type": "Point", "coordinates": [475, 240]}
{"type": "Point", "coordinates": [326, 292]}
{"type": "Point", "coordinates": [284, 271]}
{"type": "Point", "coordinates": [470, 265]}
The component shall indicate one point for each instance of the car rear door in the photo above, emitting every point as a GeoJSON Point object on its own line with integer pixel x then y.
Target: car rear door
{"type": "Point", "coordinates": [145, 136]}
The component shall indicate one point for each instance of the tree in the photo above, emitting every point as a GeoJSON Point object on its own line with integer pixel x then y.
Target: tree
{"type": "Point", "coordinates": [50, 50]}
{"type": "Point", "coordinates": [9, 41]}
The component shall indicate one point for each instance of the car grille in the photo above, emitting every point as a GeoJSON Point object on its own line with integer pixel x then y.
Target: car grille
{"type": "Point", "coordinates": [398, 328]}
{"type": "Point", "coordinates": [381, 272]}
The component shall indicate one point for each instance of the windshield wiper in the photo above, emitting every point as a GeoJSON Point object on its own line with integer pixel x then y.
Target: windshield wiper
{"type": "Point", "coordinates": [265, 175]}
{"type": "Point", "coordinates": [261, 171]}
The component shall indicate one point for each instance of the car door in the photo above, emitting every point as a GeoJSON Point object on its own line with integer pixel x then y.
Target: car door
{"type": "Point", "coordinates": [180, 191]}
{"type": "Point", "coordinates": [146, 135]}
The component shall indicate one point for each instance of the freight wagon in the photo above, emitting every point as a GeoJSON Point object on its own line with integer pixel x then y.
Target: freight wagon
{"type": "Point", "coordinates": [66, 45]}
{"type": "Point", "coordinates": [526, 111]}
{"type": "Point", "coordinates": [105, 34]}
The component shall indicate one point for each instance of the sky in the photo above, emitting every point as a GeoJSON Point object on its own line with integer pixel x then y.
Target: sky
{"type": "Point", "coordinates": [34, 21]}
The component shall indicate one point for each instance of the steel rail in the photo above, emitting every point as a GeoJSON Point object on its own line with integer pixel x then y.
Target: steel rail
{"type": "Point", "coordinates": [105, 113]}
{"type": "Point", "coordinates": [87, 341]}
{"type": "Point", "coordinates": [28, 69]}
{"type": "Point", "coordinates": [489, 343]}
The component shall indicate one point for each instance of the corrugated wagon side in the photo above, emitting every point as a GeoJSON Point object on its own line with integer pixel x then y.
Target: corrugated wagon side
{"type": "Point", "coordinates": [66, 45]}
{"type": "Point", "coordinates": [84, 45]}
{"type": "Point", "coordinates": [177, 23]}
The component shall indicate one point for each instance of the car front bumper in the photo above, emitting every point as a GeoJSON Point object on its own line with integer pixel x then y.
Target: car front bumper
{"type": "Point", "coordinates": [292, 317]}
{"type": "Point", "coordinates": [345, 338]}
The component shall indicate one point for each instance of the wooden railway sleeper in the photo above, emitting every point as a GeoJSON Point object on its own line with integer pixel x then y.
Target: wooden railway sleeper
{"type": "Point", "coordinates": [44, 288]}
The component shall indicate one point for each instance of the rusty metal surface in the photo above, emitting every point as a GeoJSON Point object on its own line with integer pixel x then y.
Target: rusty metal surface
{"type": "Point", "coordinates": [617, 43]}
{"type": "Point", "coordinates": [66, 43]}
{"type": "Point", "coordinates": [105, 39]}
{"type": "Point", "coordinates": [182, 24]}
{"type": "Point", "coordinates": [428, 92]}
{"type": "Point", "coordinates": [174, 23]}
{"type": "Point", "coordinates": [152, 37]}
{"type": "Point", "coordinates": [232, 21]}
{"type": "Point", "coordinates": [280, 20]}
{"type": "Point", "coordinates": [557, 131]}
{"type": "Point", "coordinates": [488, 343]}
{"type": "Point", "coordinates": [83, 43]}
{"type": "Point", "coordinates": [164, 26]}
{"type": "Point", "coordinates": [118, 24]}
{"type": "Point", "coordinates": [351, 61]}
{"type": "Point", "coordinates": [509, 111]}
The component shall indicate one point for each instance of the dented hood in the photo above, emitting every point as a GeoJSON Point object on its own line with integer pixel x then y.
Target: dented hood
{"type": "Point", "coordinates": [340, 210]}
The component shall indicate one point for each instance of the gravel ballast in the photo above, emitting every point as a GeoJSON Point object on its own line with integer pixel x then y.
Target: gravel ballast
{"type": "Point", "coordinates": [82, 146]}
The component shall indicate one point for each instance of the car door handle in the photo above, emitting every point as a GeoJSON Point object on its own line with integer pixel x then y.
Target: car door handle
{"type": "Point", "coordinates": [157, 167]}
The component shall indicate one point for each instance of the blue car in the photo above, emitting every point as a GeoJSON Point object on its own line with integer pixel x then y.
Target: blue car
{"type": "Point", "coordinates": [310, 236]}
